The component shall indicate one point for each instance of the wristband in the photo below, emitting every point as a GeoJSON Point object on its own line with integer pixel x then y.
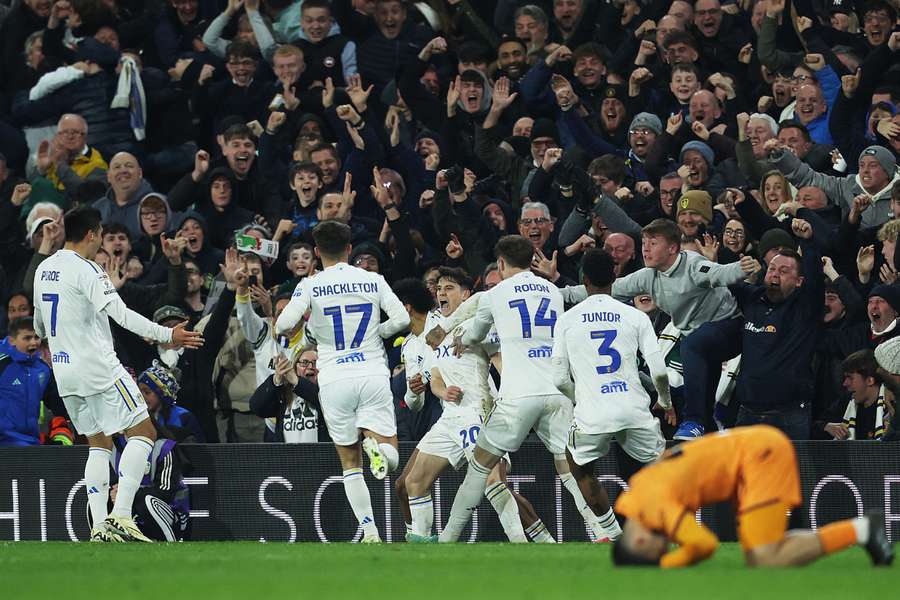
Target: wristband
{"type": "Point", "coordinates": [389, 206]}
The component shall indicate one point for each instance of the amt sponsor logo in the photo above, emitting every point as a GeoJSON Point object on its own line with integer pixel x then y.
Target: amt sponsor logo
{"type": "Point", "coordinates": [356, 357]}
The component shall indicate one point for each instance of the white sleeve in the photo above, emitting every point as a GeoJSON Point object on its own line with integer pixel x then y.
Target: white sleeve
{"type": "Point", "coordinates": [295, 309]}
{"type": "Point", "coordinates": [655, 360]}
{"type": "Point", "coordinates": [410, 360]}
{"type": "Point", "coordinates": [135, 322]}
{"type": "Point", "coordinates": [560, 364]}
{"type": "Point", "coordinates": [348, 60]}
{"type": "Point", "coordinates": [481, 323]}
{"type": "Point", "coordinates": [398, 318]}
{"type": "Point", "coordinates": [38, 320]}
{"type": "Point", "coordinates": [254, 327]}
{"type": "Point", "coordinates": [54, 80]}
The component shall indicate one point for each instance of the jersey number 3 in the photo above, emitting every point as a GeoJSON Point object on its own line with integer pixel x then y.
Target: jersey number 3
{"type": "Point", "coordinates": [606, 350]}
{"type": "Point", "coordinates": [337, 320]}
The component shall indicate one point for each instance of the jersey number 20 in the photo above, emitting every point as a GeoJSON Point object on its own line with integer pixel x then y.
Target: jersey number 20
{"type": "Point", "coordinates": [338, 321]}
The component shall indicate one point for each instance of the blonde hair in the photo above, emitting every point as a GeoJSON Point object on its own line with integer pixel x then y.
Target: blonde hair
{"type": "Point", "coordinates": [890, 231]}
{"type": "Point", "coordinates": [785, 185]}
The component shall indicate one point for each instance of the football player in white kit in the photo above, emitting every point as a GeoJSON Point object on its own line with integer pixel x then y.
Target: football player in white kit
{"type": "Point", "coordinates": [597, 343]}
{"type": "Point", "coordinates": [345, 305]}
{"type": "Point", "coordinates": [523, 308]}
{"type": "Point", "coordinates": [461, 382]}
{"type": "Point", "coordinates": [73, 302]}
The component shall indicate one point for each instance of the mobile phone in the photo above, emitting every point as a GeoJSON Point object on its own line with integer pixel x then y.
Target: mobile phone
{"type": "Point", "coordinates": [252, 280]}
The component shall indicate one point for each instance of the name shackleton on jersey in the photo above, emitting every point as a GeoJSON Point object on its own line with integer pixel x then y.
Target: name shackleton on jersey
{"type": "Point", "coordinates": [345, 305]}
{"type": "Point", "coordinates": [598, 342]}
{"type": "Point", "coordinates": [74, 300]}
{"type": "Point", "coordinates": [523, 309]}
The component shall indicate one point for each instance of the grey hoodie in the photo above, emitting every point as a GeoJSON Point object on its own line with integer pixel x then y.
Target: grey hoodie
{"type": "Point", "coordinates": [485, 98]}
{"type": "Point", "coordinates": [127, 214]}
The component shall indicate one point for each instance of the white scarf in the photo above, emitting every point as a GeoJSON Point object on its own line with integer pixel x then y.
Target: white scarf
{"type": "Point", "coordinates": [850, 417]}
{"type": "Point", "coordinates": [130, 95]}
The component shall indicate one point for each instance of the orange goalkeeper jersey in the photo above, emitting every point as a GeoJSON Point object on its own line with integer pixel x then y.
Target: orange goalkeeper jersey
{"type": "Point", "coordinates": [752, 466]}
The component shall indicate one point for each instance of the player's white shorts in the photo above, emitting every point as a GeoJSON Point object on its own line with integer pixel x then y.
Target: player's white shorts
{"type": "Point", "coordinates": [643, 444]}
{"type": "Point", "coordinates": [358, 403]}
{"type": "Point", "coordinates": [511, 421]}
{"type": "Point", "coordinates": [119, 408]}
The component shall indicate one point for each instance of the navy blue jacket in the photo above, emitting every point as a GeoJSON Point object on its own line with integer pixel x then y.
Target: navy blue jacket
{"type": "Point", "coordinates": [24, 381]}
{"type": "Point", "coordinates": [779, 340]}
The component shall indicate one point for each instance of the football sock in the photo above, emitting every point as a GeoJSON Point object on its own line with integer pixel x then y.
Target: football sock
{"type": "Point", "coordinates": [610, 525]}
{"type": "Point", "coordinates": [96, 481]}
{"type": "Point", "coordinates": [131, 472]}
{"type": "Point", "coordinates": [358, 496]}
{"type": "Point", "coordinates": [861, 525]}
{"type": "Point", "coordinates": [390, 455]}
{"type": "Point", "coordinates": [468, 497]}
{"type": "Point", "coordinates": [837, 536]}
{"type": "Point", "coordinates": [422, 509]}
{"type": "Point", "coordinates": [508, 511]}
{"type": "Point", "coordinates": [581, 504]}
{"type": "Point", "coordinates": [539, 534]}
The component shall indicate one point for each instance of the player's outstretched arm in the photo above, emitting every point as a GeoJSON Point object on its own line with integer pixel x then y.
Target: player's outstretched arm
{"type": "Point", "coordinates": [398, 318]}
{"type": "Point", "coordinates": [480, 324]}
{"type": "Point", "coordinates": [295, 309]}
{"type": "Point", "coordinates": [39, 321]}
{"type": "Point", "coordinates": [137, 323]}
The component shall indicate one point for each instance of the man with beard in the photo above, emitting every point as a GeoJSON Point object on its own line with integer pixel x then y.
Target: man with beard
{"type": "Point", "coordinates": [251, 191]}
{"type": "Point", "coordinates": [781, 327]}
{"type": "Point", "coordinates": [511, 55]}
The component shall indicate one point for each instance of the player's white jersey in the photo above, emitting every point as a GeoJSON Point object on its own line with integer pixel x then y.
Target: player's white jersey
{"type": "Point", "coordinates": [524, 309]}
{"type": "Point", "coordinates": [468, 372]}
{"type": "Point", "coordinates": [416, 354]}
{"type": "Point", "coordinates": [345, 306]}
{"type": "Point", "coordinates": [73, 300]}
{"type": "Point", "coordinates": [598, 341]}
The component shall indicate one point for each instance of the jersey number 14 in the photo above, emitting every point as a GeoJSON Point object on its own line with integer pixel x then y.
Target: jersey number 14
{"type": "Point", "coordinates": [542, 318]}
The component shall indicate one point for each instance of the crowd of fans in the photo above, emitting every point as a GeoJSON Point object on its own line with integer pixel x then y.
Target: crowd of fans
{"type": "Point", "coordinates": [764, 129]}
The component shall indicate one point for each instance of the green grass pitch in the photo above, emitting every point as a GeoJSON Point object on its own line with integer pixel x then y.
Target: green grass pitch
{"type": "Point", "coordinates": [246, 570]}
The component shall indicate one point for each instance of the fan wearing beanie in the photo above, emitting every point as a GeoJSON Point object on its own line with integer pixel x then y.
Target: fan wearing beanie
{"type": "Point", "coordinates": [160, 388]}
{"type": "Point", "coordinates": [695, 212]}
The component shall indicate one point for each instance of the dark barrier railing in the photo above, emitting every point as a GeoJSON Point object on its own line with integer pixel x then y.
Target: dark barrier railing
{"type": "Point", "coordinates": [276, 492]}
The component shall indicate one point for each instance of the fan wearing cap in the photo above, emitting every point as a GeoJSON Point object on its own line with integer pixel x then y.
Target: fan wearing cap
{"type": "Point", "coordinates": [877, 174]}
{"type": "Point", "coordinates": [883, 309]}
{"type": "Point", "coordinates": [160, 388]}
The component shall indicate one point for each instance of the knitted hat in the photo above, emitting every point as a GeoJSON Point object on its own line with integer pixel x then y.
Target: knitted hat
{"type": "Point", "coordinates": [696, 200]}
{"type": "Point", "coordinates": [708, 155]}
{"type": "Point", "coordinates": [162, 382]}
{"type": "Point", "coordinates": [646, 120]}
{"type": "Point", "coordinates": [775, 238]}
{"type": "Point", "coordinates": [544, 128]}
{"type": "Point", "coordinates": [888, 355]}
{"type": "Point", "coordinates": [884, 157]}
{"type": "Point", "coordinates": [890, 294]}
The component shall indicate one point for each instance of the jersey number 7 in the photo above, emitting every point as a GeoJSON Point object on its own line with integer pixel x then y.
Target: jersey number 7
{"type": "Point", "coordinates": [53, 299]}
{"type": "Point", "coordinates": [338, 321]}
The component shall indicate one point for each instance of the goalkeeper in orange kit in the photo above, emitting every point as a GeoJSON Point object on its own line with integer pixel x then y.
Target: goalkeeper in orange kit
{"type": "Point", "coordinates": [756, 468]}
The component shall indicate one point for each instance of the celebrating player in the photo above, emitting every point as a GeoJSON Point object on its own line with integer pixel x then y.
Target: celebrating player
{"type": "Point", "coordinates": [346, 304]}
{"type": "Point", "coordinates": [610, 401]}
{"type": "Point", "coordinates": [756, 468]}
{"type": "Point", "coordinates": [461, 382]}
{"type": "Point", "coordinates": [523, 309]}
{"type": "Point", "coordinates": [74, 301]}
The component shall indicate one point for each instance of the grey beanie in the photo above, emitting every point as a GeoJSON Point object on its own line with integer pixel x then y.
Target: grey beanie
{"type": "Point", "coordinates": [648, 120]}
{"type": "Point", "coordinates": [884, 157]}
{"type": "Point", "coordinates": [700, 147]}
{"type": "Point", "coordinates": [888, 355]}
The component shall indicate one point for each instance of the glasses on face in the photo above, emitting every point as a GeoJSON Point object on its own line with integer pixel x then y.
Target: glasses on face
{"type": "Point", "coordinates": [247, 62]}
{"type": "Point", "coordinates": [71, 133]}
{"type": "Point", "coordinates": [640, 131]}
{"type": "Point", "coordinates": [366, 260]}
{"type": "Point", "coordinates": [796, 78]}
{"type": "Point", "coordinates": [192, 271]}
{"type": "Point", "coordinates": [538, 221]}
{"type": "Point", "coordinates": [306, 363]}
{"type": "Point", "coordinates": [153, 214]}
{"type": "Point", "coordinates": [668, 193]}
{"type": "Point", "coordinates": [734, 232]}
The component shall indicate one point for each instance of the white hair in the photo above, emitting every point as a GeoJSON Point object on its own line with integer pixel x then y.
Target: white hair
{"type": "Point", "coordinates": [42, 207]}
{"type": "Point", "coordinates": [773, 126]}
{"type": "Point", "coordinates": [72, 116]}
{"type": "Point", "coordinates": [535, 206]}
